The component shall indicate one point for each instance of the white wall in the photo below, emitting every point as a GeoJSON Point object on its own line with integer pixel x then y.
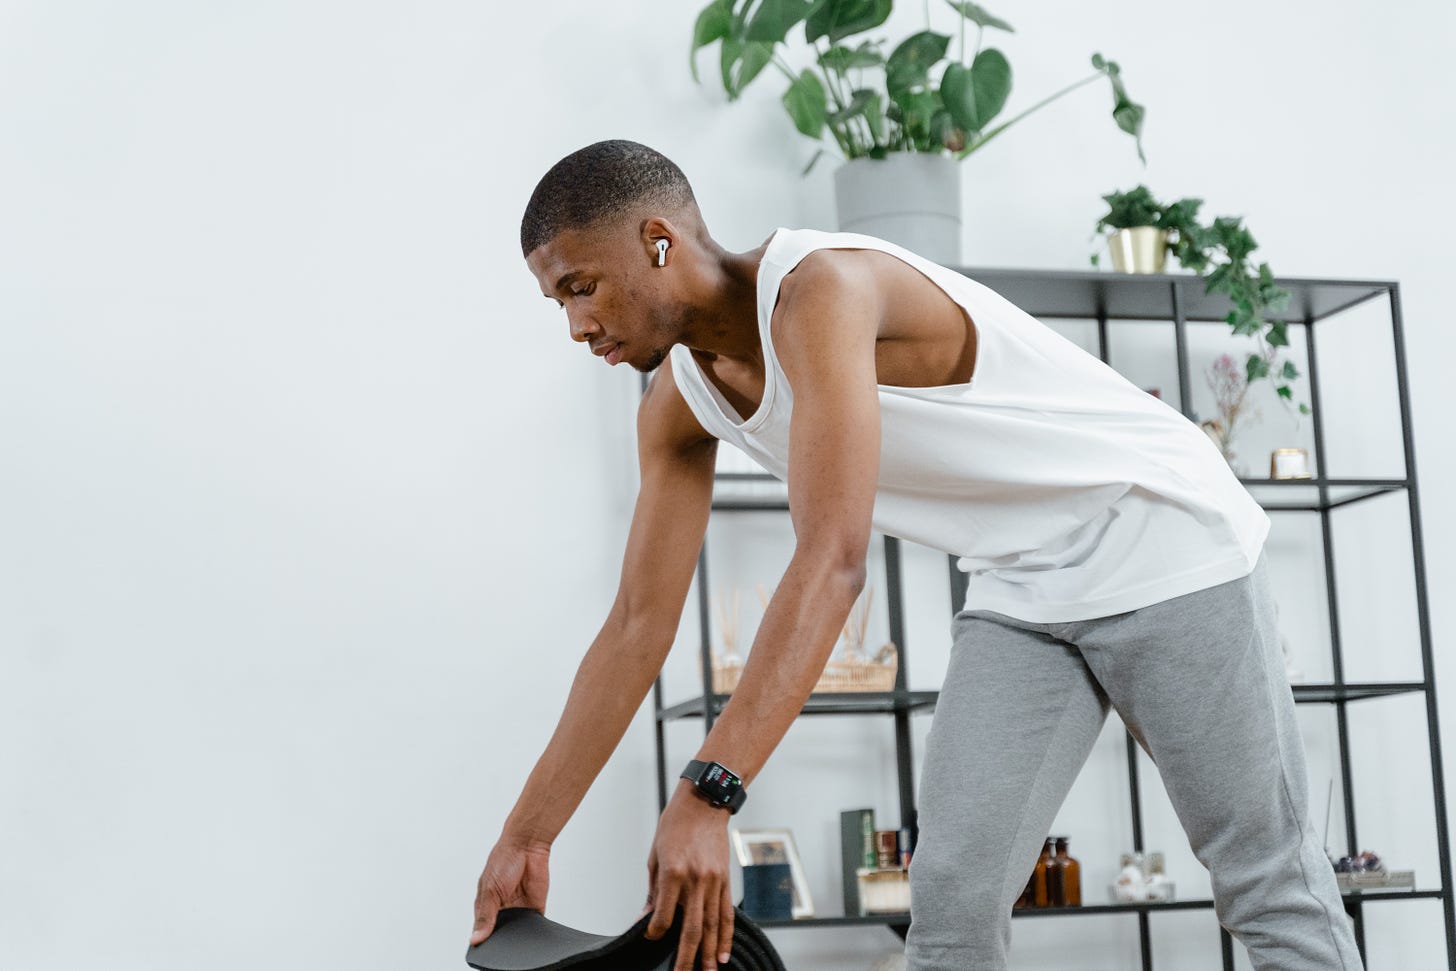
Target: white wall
{"type": "Point", "coordinates": [308, 508]}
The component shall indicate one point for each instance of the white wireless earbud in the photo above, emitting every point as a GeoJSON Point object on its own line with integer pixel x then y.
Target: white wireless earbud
{"type": "Point", "coordinates": [662, 252]}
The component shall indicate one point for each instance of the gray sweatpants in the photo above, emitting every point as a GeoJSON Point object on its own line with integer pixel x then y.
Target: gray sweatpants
{"type": "Point", "coordinates": [1199, 680]}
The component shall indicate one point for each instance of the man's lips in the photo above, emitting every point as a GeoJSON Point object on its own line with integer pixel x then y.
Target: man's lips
{"type": "Point", "coordinates": [611, 351]}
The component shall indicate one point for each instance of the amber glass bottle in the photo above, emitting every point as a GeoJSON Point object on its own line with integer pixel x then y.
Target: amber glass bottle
{"type": "Point", "coordinates": [1069, 875]}
{"type": "Point", "coordinates": [1039, 876]}
{"type": "Point", "coordinates": [1056, 887]}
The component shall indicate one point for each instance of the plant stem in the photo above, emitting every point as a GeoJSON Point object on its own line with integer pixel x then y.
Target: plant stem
{"type": "Point", "coordinates": [1040, 104]}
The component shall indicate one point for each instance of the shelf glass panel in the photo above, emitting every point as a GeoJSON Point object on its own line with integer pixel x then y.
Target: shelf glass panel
{"type": "Point", "coordinates": [1315, 693]}
{"type": "Point", "coordinates": [1089, 909]}
{"type": "Point", "coordinates": [885, 702]}
{"type": "Point", "coordinates": [749, 492]}
{"type": "Point", "coordinates": [1072, 294]}
{"type": "Point", "coordinates": [1304, 494]}
{"type": "Point", "coordinates": [823, 703]}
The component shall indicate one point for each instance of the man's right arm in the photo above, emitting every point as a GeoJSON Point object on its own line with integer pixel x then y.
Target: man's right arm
{"type": "Point", "coordinates": [677, 460]}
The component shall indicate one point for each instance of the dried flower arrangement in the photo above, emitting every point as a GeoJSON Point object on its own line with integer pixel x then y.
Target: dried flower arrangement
{"type": "Point", "coordinates": [1230, 394]}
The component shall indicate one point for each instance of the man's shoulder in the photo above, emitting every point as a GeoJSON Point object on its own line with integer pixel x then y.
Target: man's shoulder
{"type": "Point", "coordinates": [828, 278]}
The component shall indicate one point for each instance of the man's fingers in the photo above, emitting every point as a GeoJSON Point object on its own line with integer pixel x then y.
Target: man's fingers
{"type": "Point", "coordinates": [692, 929]}
{"type": "Point", "coordinates": [725, 924]}
{"type": "Point", "coordinates": [485, 913]}
{"type": "Point", "coordinates": [664, 908]}
{"type": "Point", "coordinates": [711, 917]}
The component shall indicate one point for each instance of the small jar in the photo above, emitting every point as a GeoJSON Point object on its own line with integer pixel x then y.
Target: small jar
{"type": "Point", "coordinates": [1289, 463]}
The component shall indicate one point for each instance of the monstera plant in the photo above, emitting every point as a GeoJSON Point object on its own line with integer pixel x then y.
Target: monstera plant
{"type": "Point", "coordinates": [873, 99]}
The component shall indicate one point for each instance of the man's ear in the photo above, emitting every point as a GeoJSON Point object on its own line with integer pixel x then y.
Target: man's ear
{"type": "Point", "coordinates": [655, 232]}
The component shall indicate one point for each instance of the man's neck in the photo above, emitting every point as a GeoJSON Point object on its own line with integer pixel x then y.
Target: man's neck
{"type": "Point", "coordinates": [724, 318]}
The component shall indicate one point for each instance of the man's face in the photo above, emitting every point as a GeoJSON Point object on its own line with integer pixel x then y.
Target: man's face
{"type": "Point", "coordinates": [615, 303]}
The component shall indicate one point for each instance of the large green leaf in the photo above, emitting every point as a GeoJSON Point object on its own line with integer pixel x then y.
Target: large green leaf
{"type": "Point", "coordinates": [1127, 113]}
{"type": "Point", "coordinates": [714, 23]}
{"type": "Point", "coordinates": [978, 15]}
{"type": "Point", "coordinates": [806, 103]}
{"type": "Point", "coordinates": [742, 62]}
{"type": "Point", "coordinates": [838, 19]}
{"type": "Point", "coordinates": [773, 20]}
{"type": "Point", "coordinates": [976, 94]}
{"type": "Point", "coordinates": [910, 63]}
{"type": "Point", "coordinates": [841, 59]}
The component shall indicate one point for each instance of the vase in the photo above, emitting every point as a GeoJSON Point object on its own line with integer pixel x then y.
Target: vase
{"type": "Point", "coordinates": [912, 199]}
{"type": "Point", "coordinates": [1142, 249]}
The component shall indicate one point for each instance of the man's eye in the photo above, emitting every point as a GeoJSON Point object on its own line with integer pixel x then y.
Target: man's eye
{"type": "Point", "coordinates": [584, 291]}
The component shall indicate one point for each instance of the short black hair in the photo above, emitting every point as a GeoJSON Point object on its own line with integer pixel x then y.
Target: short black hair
{"type": "Point", "coordinates": [603, 180]}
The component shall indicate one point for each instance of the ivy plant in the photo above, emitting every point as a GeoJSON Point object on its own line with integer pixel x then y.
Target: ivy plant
{"type": "Point", "coordinates": [1221, 253]}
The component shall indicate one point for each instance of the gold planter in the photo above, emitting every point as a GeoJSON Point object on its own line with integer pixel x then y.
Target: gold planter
{"type": "Point", "coordinates": [1139, 250]}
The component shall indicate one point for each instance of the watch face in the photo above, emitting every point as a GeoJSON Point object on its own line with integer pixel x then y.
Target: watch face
{"type": "Point", "coordinates": [720, 783]}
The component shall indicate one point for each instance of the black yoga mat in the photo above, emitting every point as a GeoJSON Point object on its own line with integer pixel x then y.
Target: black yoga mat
{"type": "Point", "coordinates": [524, 940]}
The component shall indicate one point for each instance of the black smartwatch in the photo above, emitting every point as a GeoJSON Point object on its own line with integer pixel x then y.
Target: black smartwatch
{"type": "Point", "coordinates": [717, 784]}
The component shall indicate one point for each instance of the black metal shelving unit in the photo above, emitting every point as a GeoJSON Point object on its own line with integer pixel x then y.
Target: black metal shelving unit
{"type": "Point", "coordinates": [1179, 300]}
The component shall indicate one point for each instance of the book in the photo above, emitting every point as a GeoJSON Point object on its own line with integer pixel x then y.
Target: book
{"type": "Point", "coordinates": [857, 849]}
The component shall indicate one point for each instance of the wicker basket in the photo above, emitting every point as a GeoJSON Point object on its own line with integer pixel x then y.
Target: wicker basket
{"type": "Point", "coordinates": [838, 676]}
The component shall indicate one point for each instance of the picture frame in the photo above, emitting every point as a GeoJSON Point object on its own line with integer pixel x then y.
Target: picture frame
{"type": "Point", "coordinates": [751, 846]}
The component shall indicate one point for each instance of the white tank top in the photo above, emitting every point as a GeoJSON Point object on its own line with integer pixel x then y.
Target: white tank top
{"type": "Point", "coordinates": [1067, 491]}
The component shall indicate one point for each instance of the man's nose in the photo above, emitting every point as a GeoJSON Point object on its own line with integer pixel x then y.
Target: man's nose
{"type": "Point", "coordinates": [582, 328]}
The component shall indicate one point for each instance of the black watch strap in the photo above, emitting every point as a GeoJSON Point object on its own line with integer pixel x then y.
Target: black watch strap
{"type": "Point", "coordinates": [721, 788]}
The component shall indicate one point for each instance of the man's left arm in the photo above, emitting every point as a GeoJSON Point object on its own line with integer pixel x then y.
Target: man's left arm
{"type": "Point", "coordinates": [825, 328]}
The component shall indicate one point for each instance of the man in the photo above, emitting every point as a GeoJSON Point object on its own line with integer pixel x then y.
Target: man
{"type": "Point", "coordinates": [1113, 560]}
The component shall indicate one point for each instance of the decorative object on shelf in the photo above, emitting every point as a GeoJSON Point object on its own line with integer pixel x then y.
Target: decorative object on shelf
{"type": "Point", "coordinates": [1289, 463]}
{"type": "Point", "coordinates": [883, 890]}
{"type": "Point", "coordinates": [847, 670]}
{"type": "Point", "coordinates": [887, 849]}
{"type": "Point", "coordinates": [755, 846]}
{"type": "Point", "coordinates": [1064, 877]}
{"type": "Point", "coordinates": [1366, 871]}
{"type": "Point", "coordinates": [1138, 249]}
{"type": "Point", "coordinates": [1056, 879]}
{"type": "Point", "coordinates": [1220, 254]}
{"type": "Point", "coordinates": [900, 130]}
{"type": "Point", "coordinates": [1230, 396]}
{"type": "Point", "coordinates": [768, 891]}
{"type": "Point", "coordinates": [1140, 228]}
{"type": "Point", "coordinates": [1142, 880]}
{"type": "Point", "coordinates": [856, 849]}
{"type": "Point", "coordinates": [1035, 894]}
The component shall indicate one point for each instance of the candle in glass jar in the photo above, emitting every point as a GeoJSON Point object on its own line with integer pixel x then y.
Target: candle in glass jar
{"type": "Point", "coordinates": [1289, 463]}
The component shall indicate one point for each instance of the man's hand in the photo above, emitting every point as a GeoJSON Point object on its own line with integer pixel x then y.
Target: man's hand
{"type": "Point", "coordinates": [515, 875]}
{"type": "Point", "coordinates": [688, 868]}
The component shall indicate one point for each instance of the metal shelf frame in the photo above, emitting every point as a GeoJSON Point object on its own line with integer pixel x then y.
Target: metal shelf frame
{"type": "Point", "coordinates": [1181, 300]}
